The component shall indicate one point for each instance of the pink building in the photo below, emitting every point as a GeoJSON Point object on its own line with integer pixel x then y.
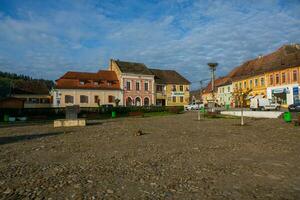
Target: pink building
{"type": "Point", "coordinates": [136, 81]}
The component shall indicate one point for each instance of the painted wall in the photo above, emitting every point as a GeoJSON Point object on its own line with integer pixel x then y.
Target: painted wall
{"type": "Point", "coordinates": [256, 83]}
{"type": "Point", "coordinates": [40, 100]}
{"type": "Point", "coordinates": [179, 95]}
{"type": "Point", "coordinates": [103, 95]}
{"type": "Point", "coordinates": [135, 94]}
{"type": "Point", "coordinates": [224, 95]}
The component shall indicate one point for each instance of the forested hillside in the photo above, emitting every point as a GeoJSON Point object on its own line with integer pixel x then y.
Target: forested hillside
{"type": "Point", "coordinates": [10, 81]}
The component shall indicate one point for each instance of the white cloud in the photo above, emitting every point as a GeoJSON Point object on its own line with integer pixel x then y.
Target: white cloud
{"type": "Point", "coordinates": [182, 36]}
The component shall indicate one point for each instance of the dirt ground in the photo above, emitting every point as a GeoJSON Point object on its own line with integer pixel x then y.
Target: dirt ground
{"type": "Point", "coordinates": [176, 157]}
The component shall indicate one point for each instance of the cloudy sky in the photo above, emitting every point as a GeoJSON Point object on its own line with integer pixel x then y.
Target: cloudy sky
{"type": "Point", "coordinates": [46, 38]}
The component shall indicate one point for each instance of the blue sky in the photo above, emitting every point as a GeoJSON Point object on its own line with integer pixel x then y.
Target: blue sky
{"type": "Point", "coordinates": [46, 38]}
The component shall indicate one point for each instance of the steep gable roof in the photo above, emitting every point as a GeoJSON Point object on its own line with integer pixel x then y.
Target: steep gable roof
{"type": "Point", "coordinates": [284, 57]}
{"type": "Point", "coordinates": [169, 77]}
{"type": "Point", "coordinates": [133, 67]}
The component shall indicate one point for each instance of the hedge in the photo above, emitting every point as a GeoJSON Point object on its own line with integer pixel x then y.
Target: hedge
{"type": "Point", "coordinates": [52, 113]}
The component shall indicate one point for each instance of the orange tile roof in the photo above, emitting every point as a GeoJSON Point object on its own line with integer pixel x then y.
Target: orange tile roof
{"type": "Point", "coordinates": [285, 57]}
{"type": "Point", "coordinates": [218, 82]}
{"type": "Point", "coordinates": [107, 80]}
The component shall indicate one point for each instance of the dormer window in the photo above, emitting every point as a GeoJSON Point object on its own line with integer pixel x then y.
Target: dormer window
{"type": "Point", "coordinates": [81, 82]}
{"type": "Point", "coordinates": [96, 83]}
{"type": "Point", "coordinates": [109, 83]}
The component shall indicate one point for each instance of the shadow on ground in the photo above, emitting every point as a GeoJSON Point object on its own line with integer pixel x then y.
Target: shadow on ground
{"type": "Point", "coordinates": [19, 138]}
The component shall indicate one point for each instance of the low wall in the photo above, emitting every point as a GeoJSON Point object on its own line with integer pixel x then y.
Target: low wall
{"type": "Point", "coordinates": [255, 114]}
{"type": "Point", "coordinates": [69, 122]}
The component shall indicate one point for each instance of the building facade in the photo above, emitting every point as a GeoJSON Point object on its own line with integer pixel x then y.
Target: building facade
{"type": "Point", "coordinates": [35, 94]}
{"type": "Point", "coordinates": [87, 89]}
{"type": "Point", "coordinates": [283, 85]}
{"type": "Point", "coordinates": [224, 94]}
{"type": "Point", "coordinates": [171, 88]}
{"type": "Point", "coordinates": [274, 76]}
{"type": "Point", "coordinates": [136, 82]}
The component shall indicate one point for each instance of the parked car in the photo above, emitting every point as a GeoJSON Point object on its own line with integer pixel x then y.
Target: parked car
{"type": "Point", "coordinates": [258, 103]}
{"type": "Point", "coordinates": [294, 107]}
{"type": "Point", "coordinates": [194, 106]}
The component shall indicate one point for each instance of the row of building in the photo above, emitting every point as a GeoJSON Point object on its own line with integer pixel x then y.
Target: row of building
{"type": "Point", "coordinates": [275, 76]}
{"type": "Point", "coordinates": [123, 83]}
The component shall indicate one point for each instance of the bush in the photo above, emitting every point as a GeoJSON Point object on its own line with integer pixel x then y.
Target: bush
{"type": "Point", "coordinates": [175, 109]}
{"type": "Point", "coordinates": [55, 113]}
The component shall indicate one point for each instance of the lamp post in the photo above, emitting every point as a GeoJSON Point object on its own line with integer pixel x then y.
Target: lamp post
{"type": "Point", "coordinates": [212, 67]}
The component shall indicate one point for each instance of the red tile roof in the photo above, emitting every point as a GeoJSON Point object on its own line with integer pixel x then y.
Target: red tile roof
{"type": "Point", "coordinates": [218, 82]}
{"type": "Point", "coordinates": [285, 57]}
{"type": "Point", "coordinates": [107, 80]}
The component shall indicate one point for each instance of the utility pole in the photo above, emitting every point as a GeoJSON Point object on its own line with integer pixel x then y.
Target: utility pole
{"type": "Point", "coordinates": [213, 67]}
{"type": "Point", "coordinates": [199, 110]}
{"type": "Point", "coordinates": [242, 110]}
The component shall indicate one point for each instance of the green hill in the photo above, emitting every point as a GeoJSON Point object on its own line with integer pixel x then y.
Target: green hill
{"type": "Point", "coordinates": [9, 82]}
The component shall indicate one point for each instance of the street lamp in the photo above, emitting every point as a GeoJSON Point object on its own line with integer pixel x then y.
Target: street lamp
{"type": "Point", "coordinates": [212, 67]}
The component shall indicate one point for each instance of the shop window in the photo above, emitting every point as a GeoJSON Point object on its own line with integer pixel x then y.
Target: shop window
{"type": "Point", "coordinates": [295, 77]}
{"type": "Point", "coordinates": [181, 99]}
{"type": "Point", "coordinates": [69, 99]}
{"type": "Point", "coordinates": [84, 99]}
{"type": "Point", "coordinates": [174, 99]}
{"type": "Point", "coordinates": [262, 81]}
{"type": "Point", "coordinates": [159, 88]}
{"type": "Point", "coordinates": [181, 88]}
{"type": "Point", "coordinates": [111, 99]}
{"type": "Point", "coordinates": [137, 86]}
{"type": "Point", "coordinates": [277, 79]}
{"type": "Point", "coordinates": [271, 80]}
{"type": "Point", "coordinates": [174, 88]}
{"type": "Point", "coordinates": [283, 77]}
{"type": "Point", "coordinates": [96, 99]}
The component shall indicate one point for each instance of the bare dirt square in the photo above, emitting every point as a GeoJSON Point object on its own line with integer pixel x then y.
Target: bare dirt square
{"type": "Point", "coordinates": [175, 157]}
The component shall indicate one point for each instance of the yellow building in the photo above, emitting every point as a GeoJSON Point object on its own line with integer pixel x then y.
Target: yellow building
{"type": "Point", "coordinates": [171, 89]}
{"type": "Point", "coordinates": [283, 85]}
{"type": "Point", "coordinates": [275, 75]}
{"type": "Point", "coordinates": [257, 84]}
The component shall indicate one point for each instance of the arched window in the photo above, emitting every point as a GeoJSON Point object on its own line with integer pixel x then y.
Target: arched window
{"type": "Point", "coordinates": [138, 101]}
{"type": "Point", "coordinates": [146, 101]}
{"type": "Point", "coordinates": [69, 99]}
{"type": "Point", "coordinates": [128, 101]}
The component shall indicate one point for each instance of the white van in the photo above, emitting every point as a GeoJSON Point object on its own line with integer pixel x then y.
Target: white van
{"type": "Point", "coordinates": [260, 103]}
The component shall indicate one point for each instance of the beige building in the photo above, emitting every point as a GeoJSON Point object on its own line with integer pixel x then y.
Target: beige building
{"type": "Point", "coordinates": [87, 89]}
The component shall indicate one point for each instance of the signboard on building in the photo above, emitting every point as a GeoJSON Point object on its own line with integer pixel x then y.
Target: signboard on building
{"type": "Point", "coordinates": [177, 94]}
{"type": "Point", "coordinates": [296, 91]}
